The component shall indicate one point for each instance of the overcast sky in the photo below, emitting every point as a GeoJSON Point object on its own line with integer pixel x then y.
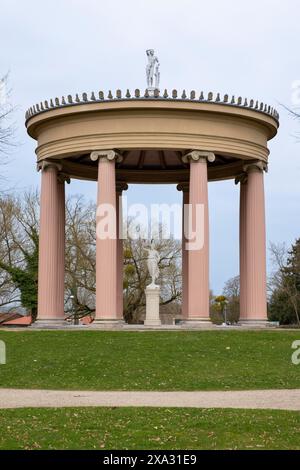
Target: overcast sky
{"type": "Point", "coordinates": [57, 47]}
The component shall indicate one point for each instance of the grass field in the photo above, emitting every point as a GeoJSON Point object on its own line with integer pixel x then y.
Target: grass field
{"type": "Point", "coordinates": [95, 360]}
{"type": "Point", "coordinates": [148, 428]}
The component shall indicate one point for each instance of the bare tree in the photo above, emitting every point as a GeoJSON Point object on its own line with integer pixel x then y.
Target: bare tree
{"type": "Point", "coordinates": [279, 254]}
{"type": "Point", "coordinates": [232, 293]}
{"type": "Point", "coordinates": [6, 126]}
{"type": "Point", "coordinates": [80, 259]}
{"type": "Point", "coordinates": [136, 276]}
{"type": "Point", "coordinates": [19, 251]}
{"type": "Point", "coordinates": [81, 265]}
{"type": "Point", "coordinates": [232, 288]}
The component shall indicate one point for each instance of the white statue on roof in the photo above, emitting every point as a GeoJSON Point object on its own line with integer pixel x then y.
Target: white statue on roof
{"type": "Point", "coordinates": [152, 70]}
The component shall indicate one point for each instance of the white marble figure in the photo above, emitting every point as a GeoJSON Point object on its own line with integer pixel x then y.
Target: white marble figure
{"type": "Point", "coordinates": [152, 263]}
{"type": "Point", "coordinates": [152, 70]}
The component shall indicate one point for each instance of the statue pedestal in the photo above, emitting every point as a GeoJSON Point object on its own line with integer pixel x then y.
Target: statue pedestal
{"type": "Point", "coordinates": [151, 90]}
{"type": "Point", "coordinates": [152, 306]}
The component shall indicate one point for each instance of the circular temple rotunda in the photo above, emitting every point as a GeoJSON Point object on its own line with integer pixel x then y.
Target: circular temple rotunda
{"type": "Point", "coordinates": [118, 140]}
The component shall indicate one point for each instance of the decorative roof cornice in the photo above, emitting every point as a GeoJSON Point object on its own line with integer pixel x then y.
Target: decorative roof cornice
{"type": "Point", "coordinates": [100, 97]}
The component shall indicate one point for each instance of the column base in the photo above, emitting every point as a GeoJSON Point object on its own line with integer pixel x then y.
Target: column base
{"type": "Point", "coordinates": [152, 323]}
{"type": "Point", "coordinates": [106, 322]}
{"type": "Point", "coordinates": [258, 323]}
{"type": "Point", "coordinates": [49, 323]}
{"type": "Point", "coordinates": [196, 322]}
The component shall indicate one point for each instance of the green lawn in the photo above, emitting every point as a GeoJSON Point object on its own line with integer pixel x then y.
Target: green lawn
{"type": "Point", "coordinates": [148, 428]}
{"type": "Point", "coordinates": [95, 360]}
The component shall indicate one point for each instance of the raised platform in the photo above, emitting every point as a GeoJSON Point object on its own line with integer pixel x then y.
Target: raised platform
{"type": "Point", "coordinates": [183, 326]}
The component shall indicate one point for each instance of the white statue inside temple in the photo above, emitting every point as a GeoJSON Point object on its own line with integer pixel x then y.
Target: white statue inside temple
{"type": "Point", "coordinates": [152, 263]}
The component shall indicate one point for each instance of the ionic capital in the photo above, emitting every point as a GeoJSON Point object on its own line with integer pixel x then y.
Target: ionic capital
{"type": "Point", "coordinates": [61, 176]}
{"type": "Point", "coordinates": [255, 166]}
{"type": "Point", "coordinates": [109, 155]}
{"type": "Point", "coordinates": [121, 186]}
{"type": "Point", "coordinates": [198, 155]}
{"type": "Point", "coordinates": [44, 164]}
{"type": "Point", "coordinates": [184, 187]}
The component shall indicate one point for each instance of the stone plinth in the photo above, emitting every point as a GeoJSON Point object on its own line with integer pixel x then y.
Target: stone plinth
{"type": "Point", "coordinates": [50, 323]}
{"type": "Point", "coordinates": [152, 306]}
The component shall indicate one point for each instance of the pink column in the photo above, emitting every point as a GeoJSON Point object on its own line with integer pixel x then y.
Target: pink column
{"type": "Point", "coordinates": [243, 233]}
{"type": "Point", "coordinates": [198, 259]}
{"type": "Point", "coordinates": [253, 246]}
{"type": "Point", "coordinates": [184, 187]}
{"type": "Point", "coordinates": [61, 242]}
{"type": "Point", "coordinates": [51, 245]}
{"type": "Point", "coordinates": [106, 245]}
{"type": "Point", "coordinates": [120, 187]}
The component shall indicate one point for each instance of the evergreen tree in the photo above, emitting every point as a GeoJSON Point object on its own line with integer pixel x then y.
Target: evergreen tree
{"type": "Point", "coordinates": [284, 304]}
